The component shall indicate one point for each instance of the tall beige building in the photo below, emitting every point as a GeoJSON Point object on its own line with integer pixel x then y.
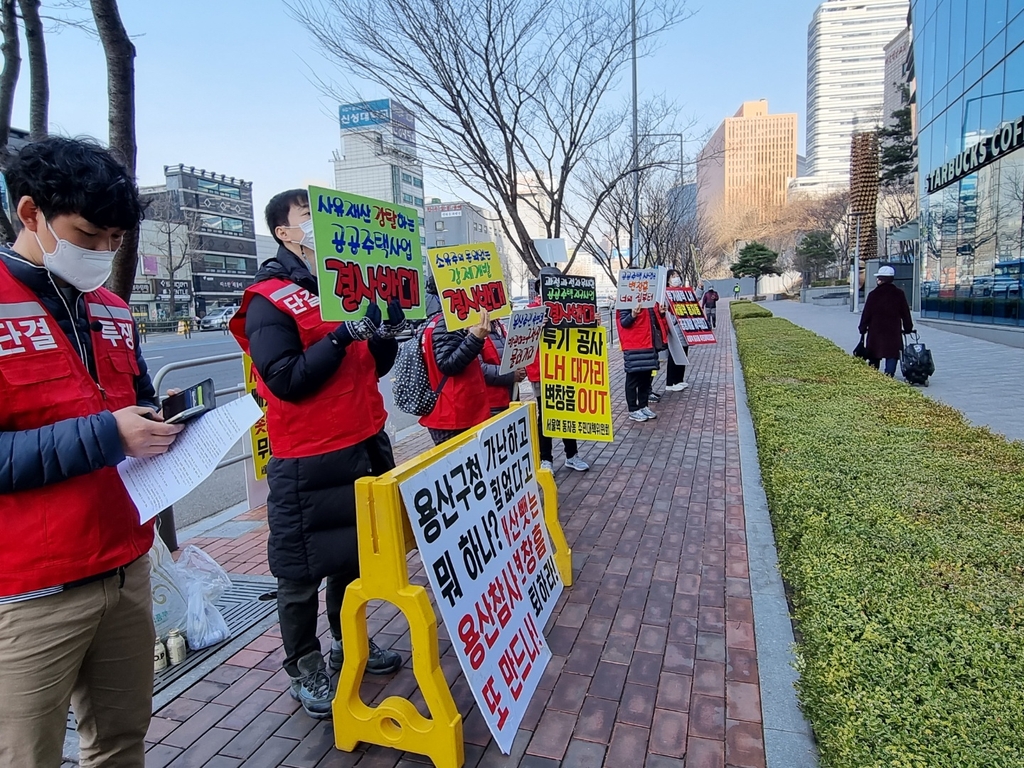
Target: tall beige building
{"type": "Point", "coordinates": [748, 162]}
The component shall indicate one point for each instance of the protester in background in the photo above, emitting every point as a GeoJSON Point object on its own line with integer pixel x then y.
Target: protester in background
{"type": "Point", "coordinates": [675, 373]}
{"type": "Point", "coordinates": [547, 445]}
{"type": "Point", "coordinates": [325, 418]}
{"type": "Point", "coordinates": [642, 334]}
{"type": "Point", "coordinates": [455, 372]}
{"type": "Point", "coordinates": [709, 301]}
{"type": "Point", "coordinates": [886, 313]}
{"type": "Point", "coordinates": [76, 612]}
{"type": "Point", "coordinates": [501, 388]}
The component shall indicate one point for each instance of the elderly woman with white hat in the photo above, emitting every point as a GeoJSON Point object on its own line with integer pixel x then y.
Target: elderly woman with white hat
{"type": "Point", "coordinates": [886, 317]}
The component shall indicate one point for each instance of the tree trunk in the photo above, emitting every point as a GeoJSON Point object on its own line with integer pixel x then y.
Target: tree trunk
{"type": "Point", "coordinates": [120, 54]}
{"type": "Point", "coordinates": [11, 49]}
{"type": "Point", "coordinates": [39, 80]}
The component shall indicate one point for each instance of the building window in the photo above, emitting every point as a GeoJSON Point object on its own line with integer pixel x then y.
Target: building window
{"type": "Point", "coordinates": [221, 190]}
{"type": "Point", "coordinates": [440, 243]}
{"type": "Point", "coordinates": [419, 202]}
{"type": "Point", "coordinates": [407, 199]}
{"type": "Point", "coordinates": [406, 178]}
{"type": "Point", "coordinates": [221, 224]}
{"type": "Point", "coordinates": [418, 183]}
{"type": "Point", "coordinates": [439, 226]}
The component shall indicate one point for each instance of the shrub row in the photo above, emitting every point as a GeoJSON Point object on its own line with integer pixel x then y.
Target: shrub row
{"type": "Point", "coordinates": [900, 529]}
{"type": "Point", "coordinates": [741, 310]}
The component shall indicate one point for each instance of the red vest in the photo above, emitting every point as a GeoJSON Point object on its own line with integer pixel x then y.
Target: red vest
{"type": "Point", "coordinates": [463, 400]}
{"type": "Point", "coordinates": [497, 397]}
{"type": "Point", "coordinates": [346, 410]}
{"type": "Point", "coordinates": [87, 525]}
{"type": "Point", "coordinates": [640, 335]}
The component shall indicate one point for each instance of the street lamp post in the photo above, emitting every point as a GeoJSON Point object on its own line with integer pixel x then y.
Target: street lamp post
{"type": "Point", "coordinates": [855, 270]}
{"type": "Point", "coordinates": [634, 235]}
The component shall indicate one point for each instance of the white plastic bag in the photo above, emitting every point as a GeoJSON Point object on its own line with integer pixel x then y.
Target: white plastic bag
{"type": "Point", "coordinates": [205, 582]}
{"type": "Point", "coordinates": [169, 600]}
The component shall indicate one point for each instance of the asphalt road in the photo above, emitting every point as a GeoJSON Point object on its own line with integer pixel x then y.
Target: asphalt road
{"type": "Point", "coordinates": [226, 487]}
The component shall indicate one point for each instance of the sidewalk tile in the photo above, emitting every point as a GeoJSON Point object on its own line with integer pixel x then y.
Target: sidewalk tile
{"type": "Point", "coordinates": [668, 733]}
{"type": "Point", "coordinates": [596, 720]}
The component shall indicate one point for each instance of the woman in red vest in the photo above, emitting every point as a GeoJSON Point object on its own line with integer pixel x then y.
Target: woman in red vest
{"type": "Point", "coordinates": [642, 335]}
{"type": "Point", "coordinates": [454, 368]}
{"type": "Point", "coordinates": [500, 387]}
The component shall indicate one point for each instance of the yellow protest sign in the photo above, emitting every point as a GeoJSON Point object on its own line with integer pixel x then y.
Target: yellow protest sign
{"type": "Point", "coordinates": [258, 436]}
{"type": "Point", "coordinates": [469, 278]}
{"type": "Point", "coordinates": [574, 384]}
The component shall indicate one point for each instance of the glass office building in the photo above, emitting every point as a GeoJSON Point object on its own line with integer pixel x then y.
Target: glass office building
{"type": "Point", "coordinates": [969, 67]}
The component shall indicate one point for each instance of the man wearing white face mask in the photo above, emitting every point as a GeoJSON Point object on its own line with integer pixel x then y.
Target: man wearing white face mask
{"type": "Point", "coordinates": [325, 418]}
{"type": "Point", "coordinates": [76, 620]}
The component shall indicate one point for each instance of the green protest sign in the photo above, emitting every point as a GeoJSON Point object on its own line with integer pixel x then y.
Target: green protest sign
{"type": "Point", "coordinates": [366, 251]}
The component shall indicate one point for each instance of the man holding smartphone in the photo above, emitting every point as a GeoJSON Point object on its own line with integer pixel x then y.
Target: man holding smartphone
{"type": "Point", "coordinates": [325, 418]}
{"type": "Point", "coordinates": [76, 616]}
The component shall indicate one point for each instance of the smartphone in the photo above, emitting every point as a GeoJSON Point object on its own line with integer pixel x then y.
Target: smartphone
{"type": "Point", "coordinates": [190, 403]}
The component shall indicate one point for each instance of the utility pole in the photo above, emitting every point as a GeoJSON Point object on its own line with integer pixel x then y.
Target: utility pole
{"type": "Point", "coordinates": [634, 236]}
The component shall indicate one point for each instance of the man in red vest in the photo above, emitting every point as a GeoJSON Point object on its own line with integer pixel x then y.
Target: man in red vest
{"type": "Point", "coordinates": [76, 613]}
{"type": "Point", "coordinates": [325, 418]}
{"type": "Point", "coordinates": [643, 333]}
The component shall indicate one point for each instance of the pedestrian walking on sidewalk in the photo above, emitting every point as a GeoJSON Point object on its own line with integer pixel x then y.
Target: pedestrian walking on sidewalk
{"type": "Point", "coordinates": [884, 320]}
{"type": "Point", "coordinates": [709, 301]}
{"type": "Point", "coordinates": [453, 365]}
{"type": "Point", "coordinates": [736, 291]}
{"type": "Point", "coordinates": [642, 334]}
{"type": "Point", "coordinates": [573, 460]}
{"type": "Point", "coordinates": [675, 373]}
{"type": "Point", "coordinates": [76, 610]}
{"type": "Point", "coordinates": [325, 418]}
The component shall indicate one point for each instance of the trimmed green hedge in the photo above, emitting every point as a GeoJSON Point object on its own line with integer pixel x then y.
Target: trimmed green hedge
{"type": "Point", "coordinates": [744, 310]}
{"type": "Point", "coordinates": [900, 529]}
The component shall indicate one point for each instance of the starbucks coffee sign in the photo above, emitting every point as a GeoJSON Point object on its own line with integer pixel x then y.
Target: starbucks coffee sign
{"type": "Point", "coordinates": [1007, 138]}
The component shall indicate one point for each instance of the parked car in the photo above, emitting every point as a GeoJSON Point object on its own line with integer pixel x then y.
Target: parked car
{"type": "Point", "coordinates": [520, 302]}
{"type": "Point", "coordinates": [217, 319]}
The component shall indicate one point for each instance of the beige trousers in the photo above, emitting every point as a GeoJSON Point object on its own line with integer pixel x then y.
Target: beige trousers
{"type": "Point", "coordinates": [90, 647]}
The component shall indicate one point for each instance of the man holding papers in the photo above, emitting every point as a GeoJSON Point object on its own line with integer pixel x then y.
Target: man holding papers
{"type": "Point", "coordinates": [76, 616]}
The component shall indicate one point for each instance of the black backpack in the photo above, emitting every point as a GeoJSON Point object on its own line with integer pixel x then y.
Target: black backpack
{"type": "Point", "coordinates": [916, 362]}
{"type": "Point", "coordinates": [410, 380]}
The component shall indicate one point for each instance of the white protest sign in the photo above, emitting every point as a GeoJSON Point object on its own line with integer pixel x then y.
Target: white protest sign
{"type": "Point", "coordinates": [637, 288]}
{"type": "Point", "coordinates": [479, 526]}
{"type": "Point", "coordinates": [157, 482]}
{"type": "Point", "coordinates": [523, 340]}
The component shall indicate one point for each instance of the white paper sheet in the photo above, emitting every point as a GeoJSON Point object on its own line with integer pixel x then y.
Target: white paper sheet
{"type": "Point", "coordinates": [157, 482]}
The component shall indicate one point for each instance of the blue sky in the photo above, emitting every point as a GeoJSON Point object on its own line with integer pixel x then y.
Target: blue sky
{"type": "Point", "coordinates": [224, 84]}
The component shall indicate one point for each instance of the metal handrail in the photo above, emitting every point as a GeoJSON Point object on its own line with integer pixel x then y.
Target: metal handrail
{"type": "Point", "coordinates": [158, 381]}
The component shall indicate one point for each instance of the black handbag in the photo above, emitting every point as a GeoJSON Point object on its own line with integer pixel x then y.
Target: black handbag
{"type": "Point", "coordinates": [861, 350]}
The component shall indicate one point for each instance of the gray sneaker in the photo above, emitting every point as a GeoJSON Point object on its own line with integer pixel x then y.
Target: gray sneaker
{"type": "Point", "coordinates": [381, 662]}
{"type": "Point", "coordinates": [312, 689]}
{"type": "Point", "coordinates": [648, 413]}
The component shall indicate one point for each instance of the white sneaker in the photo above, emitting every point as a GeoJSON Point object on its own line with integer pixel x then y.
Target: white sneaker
{"type": "Point", "coordinates": [577, 463]}
{"type": "Point", "coordinates": [546, 465]}
{"type": "Point", "coordinates": [674, 388]}
{"type": "Point", "coordinates": [637, 416]}
{"type": "Point", "coordinates": [648, 413]}
{"type": "Point", "coordinates": [684, 385]}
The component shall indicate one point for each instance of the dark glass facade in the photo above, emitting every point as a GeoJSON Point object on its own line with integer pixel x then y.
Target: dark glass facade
{"type": "Point", "coordinates": [969, 65]}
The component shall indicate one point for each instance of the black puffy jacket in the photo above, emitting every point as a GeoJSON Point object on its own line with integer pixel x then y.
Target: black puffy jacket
{"type": "Point", "coordinates": [454, 350]}
{"type": "Point", "coordinates": [311, 509]}
{"type": "Point", "coordinates": [34, 458]}
{"type": "Point", "coordinates": [491, 371]}
{"type": "Point", "coordinates": [642, 360]}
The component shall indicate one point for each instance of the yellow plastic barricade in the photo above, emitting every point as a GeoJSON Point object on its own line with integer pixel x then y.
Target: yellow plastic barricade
{"type": "Point", "coordinates": [385, 538]}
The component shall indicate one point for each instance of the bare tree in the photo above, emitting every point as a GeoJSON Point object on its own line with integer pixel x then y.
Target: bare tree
{"type": "Point", "coordinates": [39, 80]}
{"type": "Point", "coordinates": [503, 89]}
{"type": "Point", "coordinates": [120, 55]}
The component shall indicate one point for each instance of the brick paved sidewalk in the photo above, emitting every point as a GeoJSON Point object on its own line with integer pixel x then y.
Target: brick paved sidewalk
{"type": "Point", "coordinates": [654, 652]}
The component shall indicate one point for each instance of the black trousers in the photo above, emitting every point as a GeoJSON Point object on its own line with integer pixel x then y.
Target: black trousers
{"type": "Point", "coordinates": [547, 445]}
{"type": "Point", "coordinates": [298, 606]}
{"type": "Point", "coordinates": [638, 389]}
{"type": "Point", "coordinates": [675, 373]}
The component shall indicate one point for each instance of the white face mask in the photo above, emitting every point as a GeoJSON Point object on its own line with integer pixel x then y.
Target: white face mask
{"type": "Point", "coordinates": [82, 268]}
{"type": "Point", "coordinates": [307, 240]}
{"type": "Point", "coordinates": [675, 282]}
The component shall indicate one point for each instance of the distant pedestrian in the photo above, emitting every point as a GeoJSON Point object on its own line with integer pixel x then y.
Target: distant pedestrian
{"type": "Point", "coordinates": [710, 304]}
{"type": "Point", "coordinates": [642, 334]}
{"type": "Point", "coordinates": [736, 291]}
{"type": "Point", "coordinates": [886, 313]}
